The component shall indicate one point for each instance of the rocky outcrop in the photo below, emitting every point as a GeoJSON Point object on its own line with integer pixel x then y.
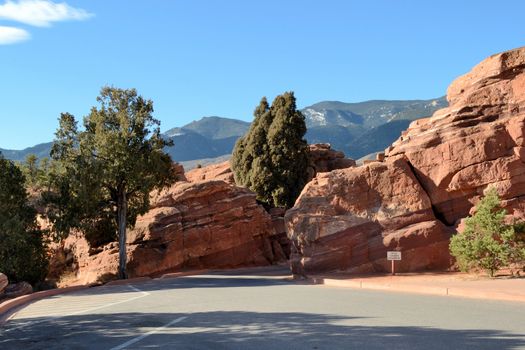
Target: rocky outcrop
{"type": "Point", "coordinates": [476, 142]}
{"type": "Point", "coordinates": [178, 169]}
{"type": "Point", "coordinates": [323, 159]}
{"type": "Point", "coordinates": [348, 219]}
{"type": "Point", "coordinates": [428, 180]}
{"type": "Point", "coordinates": [207, 224]}
{"type": "Point", "coordinates": [3, 282]}
{"type": "Point", "coordinates": [220, 171]}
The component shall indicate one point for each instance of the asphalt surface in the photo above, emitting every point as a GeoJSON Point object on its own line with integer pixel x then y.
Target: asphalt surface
{"type": "Point", "coordinates": [260, 309]}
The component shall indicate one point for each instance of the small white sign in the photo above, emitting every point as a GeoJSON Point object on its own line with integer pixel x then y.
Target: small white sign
{"type": "Point", "coordinates": [392, 255]}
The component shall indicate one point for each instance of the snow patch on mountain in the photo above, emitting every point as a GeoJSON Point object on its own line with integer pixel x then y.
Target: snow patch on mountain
{"type": "Point", "coordinates": [314, 118]}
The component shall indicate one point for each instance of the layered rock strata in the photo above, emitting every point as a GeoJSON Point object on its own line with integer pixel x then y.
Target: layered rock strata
{"type": "Point", "coordinates": [428, 181]}
{"type": "Point", "coordinates": [220, 171]}
{"type": "Point", "coordinates": [324, 159]}
{"type": "Point", "coordinates": [208, 224]}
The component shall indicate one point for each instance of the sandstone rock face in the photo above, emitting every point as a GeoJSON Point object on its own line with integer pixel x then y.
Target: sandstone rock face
{"type": "Point", "coordinates": [323, 159]}
{"type": "Point", "coordinates": [179, 172]}
{"type": "Point", "coordinates": [347, 220]}
{"type": "Point", "coordinates": [477, 141]}
{"type": "Point", "coordinates": [207, 224]}
{"type": "Point", "coordinates": [201, 225]}
{"type": "Point", "coordinates": [3, 282]}
{"type": "Point", "coordinates": [220, 171]}
{"type": "Point", "coordinates": [429, 180]}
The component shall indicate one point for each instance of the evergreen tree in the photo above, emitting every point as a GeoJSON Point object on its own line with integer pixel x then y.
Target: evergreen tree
{"type": "Point", "coordinates": [22, 251]}
{"type": "Point", "coordinates": [487, 242]}
{"type": "Point", "coordinates": [272, 158]}
{"type": "Point", "coordinates": [288, 149]}
{"type": "Point", "coordinates": [31, 170]}
{"type": "Point", "coordinates": [103, 175]}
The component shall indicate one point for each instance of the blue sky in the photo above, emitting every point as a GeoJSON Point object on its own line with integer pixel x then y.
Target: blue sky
{"type": "Point", "coordinates": [197, 58]}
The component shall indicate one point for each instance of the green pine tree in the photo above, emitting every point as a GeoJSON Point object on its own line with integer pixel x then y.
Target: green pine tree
{"type": "Point", "coordinates": [272, 158]}
{"type": "Point", "coordinates": [22, 250]}
{"type": "Point", "coordinates": [487, 242]}
{"type": "Point", "coordinates": [30, 169]}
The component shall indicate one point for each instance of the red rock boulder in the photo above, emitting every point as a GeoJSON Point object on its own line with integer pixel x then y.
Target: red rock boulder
{"type": "Point", "coordinates": [347, 220]}
{"type": "Point", "coordinates": [324, 159]}
{"type": "Point", "coordinates": [220, 171]}
{"type": "Point", "coordinates": [476, 142]}
{"type": "Point", "coordinates": [202, 225]}
{"type": "Point", "coordinates": [429, 180]}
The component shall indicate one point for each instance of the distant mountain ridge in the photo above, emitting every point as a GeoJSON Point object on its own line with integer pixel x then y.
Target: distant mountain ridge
{"type": "Point", "coordinates": [357, 129]}
{"type": "Point", "coordinates": [41, 151]}
{"type": "Point", "coordinates": [214, 128]}
{"type": "Point", "coordinates": [208, 137]}
{"type": "Point", "coordinates": [361, 128]}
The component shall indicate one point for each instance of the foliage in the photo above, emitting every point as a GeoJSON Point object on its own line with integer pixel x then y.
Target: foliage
{"type": "Point", "coordinates": [514, 244]}
{"type": "Point", "coordinates": [35, 171]}
{"type": "Point", "coordinates": [488, 242]}
{"type": "Point", "coordinates": [102, 176]}
{"type": "Point", "coordinates": [272, 158]}
{"type": "Point", "coordinates": [22, 251]}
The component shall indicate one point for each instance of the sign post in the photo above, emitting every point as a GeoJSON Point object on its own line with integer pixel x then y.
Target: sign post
{"type": "Point", "coordinates": [393, 256]}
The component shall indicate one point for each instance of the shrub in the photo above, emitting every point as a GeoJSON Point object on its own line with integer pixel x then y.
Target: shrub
{"type": "Point", "coordinates": [487, 242]}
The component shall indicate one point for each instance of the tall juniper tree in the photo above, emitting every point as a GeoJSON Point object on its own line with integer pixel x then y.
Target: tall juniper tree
{"type": "Point", "coordinates": [102, 176]}
{"type": "Point", "coordinates": [272, 158]}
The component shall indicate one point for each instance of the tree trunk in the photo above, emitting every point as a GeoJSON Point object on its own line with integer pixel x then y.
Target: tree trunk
{"type": "Point", "coordinates": [122, 209]}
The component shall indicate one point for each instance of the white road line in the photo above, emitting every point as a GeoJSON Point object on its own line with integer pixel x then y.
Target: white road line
{"type": "Point", "coordinates": [138, 290]}
{"type": "Point", "coordinates": [82, 311]}
{"type": "Point", "coordinates": [156, 330]}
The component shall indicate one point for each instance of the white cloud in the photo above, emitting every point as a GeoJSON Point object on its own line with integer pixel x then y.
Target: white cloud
{"type": "Point", "coordinates": [41, 13]}
{"type": "Point", "coordinates": [11, 35]}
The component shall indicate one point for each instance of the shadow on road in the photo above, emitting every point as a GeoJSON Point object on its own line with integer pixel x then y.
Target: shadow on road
{"type": "Point", "coordinates": [241, 330]}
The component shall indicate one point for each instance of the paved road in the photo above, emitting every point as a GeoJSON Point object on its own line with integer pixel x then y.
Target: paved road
{"type": "Point", "coordinates": [260, 311]}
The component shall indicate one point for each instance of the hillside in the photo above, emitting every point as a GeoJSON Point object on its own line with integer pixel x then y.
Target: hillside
{"type": "Point", "coordinates": [357, 129]}
{"type": "Point", "coordinates": [362, 128]}
{"type": "Point", "coordinates": [369, 114]}
{"type": "Point", "coordinates": [214, 128]}
{"type": "Point", "coordinates": [41, 151]}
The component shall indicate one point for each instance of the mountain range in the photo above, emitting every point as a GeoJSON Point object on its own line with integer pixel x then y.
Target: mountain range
{"type": "Point", "coordinates": [357, 129]}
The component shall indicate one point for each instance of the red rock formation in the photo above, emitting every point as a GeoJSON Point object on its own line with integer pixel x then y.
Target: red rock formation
{"type": "Point", "coordinates": [220, 171]}
{"type": "Point", "coordinates": [323, 159]}
{"type": "Point", "coordinates": [476, 141]}
{"type": "Point", "coordinates": [347, 220]}
{"type": "Point", "coordinates": [430, 179]}
{"type": "Point", "coordinates": [179, 172]}
{"type": "Point", "coordinates": [208, 224]}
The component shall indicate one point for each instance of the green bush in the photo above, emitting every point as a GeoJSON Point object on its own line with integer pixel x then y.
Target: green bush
{"type": "Point", "coordinates": [22, 251]}
{"type": "Point", "coordinates": [488, 243]}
